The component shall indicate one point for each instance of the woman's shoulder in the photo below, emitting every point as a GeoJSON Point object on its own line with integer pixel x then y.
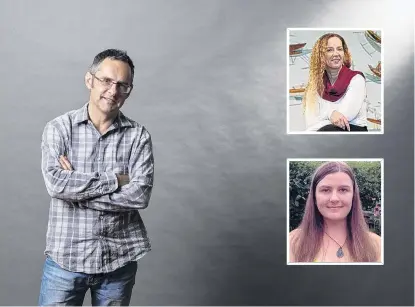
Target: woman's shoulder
{"type": "Point", "coordinates": [291, 238]}
{"type": "Point", "coordinates": [375, 238]}
{"type": "Point", "coordinates": [377, 241]}
{"type": "Point", "coordinates": [294, 233]}
{"type": "Point", "coordinates": [358, 78]}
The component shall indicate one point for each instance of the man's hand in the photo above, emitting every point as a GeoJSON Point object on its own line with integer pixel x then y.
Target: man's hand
{"type": "Point", "coordinates": [123, 179]}
{"type": "Point", "coordinates": [339, 120]}
{"type": "Point", "coordinates": [66, 165]}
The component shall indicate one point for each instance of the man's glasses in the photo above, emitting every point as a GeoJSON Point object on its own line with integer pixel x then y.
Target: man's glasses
{"type": "Point", "coordinates": [107, 83]}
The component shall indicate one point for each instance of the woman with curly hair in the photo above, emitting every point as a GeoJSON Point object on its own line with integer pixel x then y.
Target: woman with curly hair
{"type": "Point", "coordinates": [333, 228]}
{"type": "Point", "coordinates": [335, 96]}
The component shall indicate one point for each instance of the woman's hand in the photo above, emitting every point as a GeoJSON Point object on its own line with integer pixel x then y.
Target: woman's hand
{"type": "Point", "coordinates": [339, 120]}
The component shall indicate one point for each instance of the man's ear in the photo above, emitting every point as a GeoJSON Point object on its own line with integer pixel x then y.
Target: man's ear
{"type": "Point", "coordinates": [88, 80]}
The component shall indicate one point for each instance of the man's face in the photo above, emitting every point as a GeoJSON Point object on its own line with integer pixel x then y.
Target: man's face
{"type": "Point", "coordinates": [334, 55]}
{"type": "Point", "coordinates": [334, 196]}
{"type": "Point", "coordinates": [105, 95]}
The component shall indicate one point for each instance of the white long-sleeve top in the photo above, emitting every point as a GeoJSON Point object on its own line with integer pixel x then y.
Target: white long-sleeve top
{"type": "Point", "coordinates": [352, 105]}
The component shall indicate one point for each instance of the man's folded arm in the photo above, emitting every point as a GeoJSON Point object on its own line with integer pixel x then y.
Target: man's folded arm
{"type": "Point", "coordinates": [70, 185]}
{"type": "Point", "coordinates": [136, 194]}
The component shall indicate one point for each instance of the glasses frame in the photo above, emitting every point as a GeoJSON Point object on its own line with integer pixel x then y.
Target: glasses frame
{"type": "Point", "coordinates": [119, 85]}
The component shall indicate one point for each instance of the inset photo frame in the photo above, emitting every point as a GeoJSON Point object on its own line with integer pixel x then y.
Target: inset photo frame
{"type": "Point", "coordinates": [335, 212]}
{"type": "Point", "coordinates": [335, 81]}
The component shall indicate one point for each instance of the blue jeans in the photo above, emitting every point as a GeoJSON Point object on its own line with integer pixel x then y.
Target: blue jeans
{"type": "Point", "coordinates": [63, 288]}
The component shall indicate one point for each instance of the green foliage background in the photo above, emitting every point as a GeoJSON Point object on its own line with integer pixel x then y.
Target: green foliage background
{"type": "Point", "coordinates": [368, 176]}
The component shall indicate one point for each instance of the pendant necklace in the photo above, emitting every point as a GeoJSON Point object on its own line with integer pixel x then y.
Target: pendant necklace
{"type": "Point", "coordinates": [339, 252]}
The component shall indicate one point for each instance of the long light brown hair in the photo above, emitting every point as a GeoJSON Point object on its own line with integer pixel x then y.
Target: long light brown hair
{"type": "Point", "coordinates": [317, 67]}
{"type": "Point", "coordinates": [308, 241]}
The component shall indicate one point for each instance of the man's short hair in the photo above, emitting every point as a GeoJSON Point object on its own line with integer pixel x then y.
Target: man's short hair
{"type": "Point", "coordinates": [113, 54]}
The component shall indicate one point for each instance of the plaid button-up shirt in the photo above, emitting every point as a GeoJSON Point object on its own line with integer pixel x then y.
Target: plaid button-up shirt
{"type": "Point", "coordinates": [94, 225]}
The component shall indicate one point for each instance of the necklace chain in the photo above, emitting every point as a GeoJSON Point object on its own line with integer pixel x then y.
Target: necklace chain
{"type": "Point", "coordinates": [335, 240]}
{"type": "Point", "coordinates": [339, 252]}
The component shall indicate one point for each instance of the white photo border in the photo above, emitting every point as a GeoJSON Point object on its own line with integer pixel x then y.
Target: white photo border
{"type": "Point", "coordinates": [382, 103]}
{"type": "Point", "coordinates": [381, 160]}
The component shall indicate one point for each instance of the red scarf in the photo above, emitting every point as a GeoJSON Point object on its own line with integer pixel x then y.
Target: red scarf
{"type": "Point", "coordinates": [335, 92]}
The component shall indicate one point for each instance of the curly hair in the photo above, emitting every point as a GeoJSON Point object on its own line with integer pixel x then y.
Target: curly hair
{"type": "Point", "coordinates": [317, 67]}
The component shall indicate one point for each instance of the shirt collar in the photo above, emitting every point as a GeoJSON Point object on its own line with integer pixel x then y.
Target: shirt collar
{"type": "Point", "coordinates": [81, 116]}
{"type": "Point", "coordinates": [123, 121]}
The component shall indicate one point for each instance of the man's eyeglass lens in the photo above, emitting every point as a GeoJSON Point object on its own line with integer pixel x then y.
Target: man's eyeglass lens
{"type": "Point", "coordinates": [107, 82]}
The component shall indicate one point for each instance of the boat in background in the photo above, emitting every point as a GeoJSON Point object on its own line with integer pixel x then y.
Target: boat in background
{"type": "Point", "coordinates": [375, 36]}
{"type": "Point", "coordinates": [377, 71]}
{"type": "Point", "coordinates": [296, 48]}
{"type": "Point", "coordinates": [374, 40]}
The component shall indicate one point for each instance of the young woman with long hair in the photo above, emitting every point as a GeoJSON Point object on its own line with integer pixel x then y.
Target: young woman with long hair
{"type": "Point", "coordinates": [333, 228]}
{"type": "Point", "coordinates": [335, 96]}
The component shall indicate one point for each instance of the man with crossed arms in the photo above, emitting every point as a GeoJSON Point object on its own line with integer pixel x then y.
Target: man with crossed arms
{"type": "Point", "coordinates": [98, 168]}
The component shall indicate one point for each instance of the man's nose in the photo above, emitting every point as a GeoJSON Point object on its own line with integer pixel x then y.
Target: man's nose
{"type": "Point", "coordinates": [113, 88]}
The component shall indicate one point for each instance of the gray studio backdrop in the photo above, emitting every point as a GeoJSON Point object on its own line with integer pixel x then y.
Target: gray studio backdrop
{"type": "Point", "coordinates": [210, 87]}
